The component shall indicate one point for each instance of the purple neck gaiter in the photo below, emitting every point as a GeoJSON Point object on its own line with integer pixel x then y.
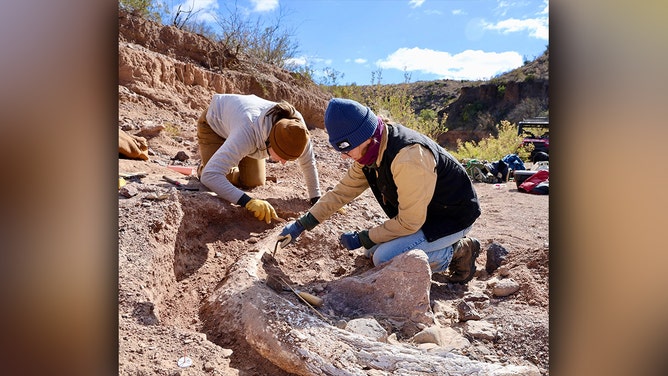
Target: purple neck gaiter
{"type": "Point", "coordinates": [372, 152]}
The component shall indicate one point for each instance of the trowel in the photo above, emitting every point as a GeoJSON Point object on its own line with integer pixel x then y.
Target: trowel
{"type": "Point", "coordinates": [279, 285]}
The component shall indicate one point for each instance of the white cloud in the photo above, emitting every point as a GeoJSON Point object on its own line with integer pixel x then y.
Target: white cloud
{"type": "Point", "coordinates": [319, 60]}
{"type": "Point", "coordinates": [304, 60]}
{"type": "Point", "coordinates": [202, 10]}
{"type": "Point", "coordinates": [503, 7]}
{"type": "Point", "coordinates": [466, 65]}
{"type": "Point", "coordinates": [299, 61]}
{"type": "Point", "coordinates": [416, 3]}
{"type": "Point", "coordinates": [264, 5]}
{"type": "Point", "coordinates": [360, 60]}
{"type": "Point", "coordinates": [432, 12]}
{"type": "Point", "coordinates": [546, 10]}
{"type": "Point", "coordinates": [537, 27]}
{"type": "Point", "coordinates": [459, 12]}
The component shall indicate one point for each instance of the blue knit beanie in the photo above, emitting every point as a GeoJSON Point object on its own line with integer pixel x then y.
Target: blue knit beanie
{"type": "Point", "coordinates": [348, 123]}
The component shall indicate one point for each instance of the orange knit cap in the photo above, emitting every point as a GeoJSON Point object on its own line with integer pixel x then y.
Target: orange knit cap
{"type": "Point", "coordinates": [288, 138]}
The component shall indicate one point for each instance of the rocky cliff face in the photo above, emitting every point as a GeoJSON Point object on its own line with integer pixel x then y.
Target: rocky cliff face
{"type": "Point", "coordinates": [497, 99]}
{"type": "Point", "coordinates": [170, 70]}
{"type": "Point", "coordinates": [479, 108]}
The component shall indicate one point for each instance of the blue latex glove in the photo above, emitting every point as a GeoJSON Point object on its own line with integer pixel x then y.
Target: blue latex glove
{"type": "Point", "coordinates": [350, 240]}
{"type": "Point", "coordinates": [290, 232]}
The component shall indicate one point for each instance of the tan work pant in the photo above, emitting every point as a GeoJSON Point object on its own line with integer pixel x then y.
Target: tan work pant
{"type": "Point", "coordinates": [250, 172]}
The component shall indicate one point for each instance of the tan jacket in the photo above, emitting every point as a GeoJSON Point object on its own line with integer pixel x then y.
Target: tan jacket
{"type": "Point", "coordinates": [414, 173]}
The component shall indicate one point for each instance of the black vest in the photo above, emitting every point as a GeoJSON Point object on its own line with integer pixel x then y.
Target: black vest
{"type": "Point", "coordinates": [454, 205]}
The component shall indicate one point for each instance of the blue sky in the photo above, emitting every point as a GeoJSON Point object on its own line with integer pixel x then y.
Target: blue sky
{"type": "Point", "coordinates": [414, 40]}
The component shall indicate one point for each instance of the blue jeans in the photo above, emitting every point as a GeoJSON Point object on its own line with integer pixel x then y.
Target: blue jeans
{"type": "Point", "coordinates": [439, 251]}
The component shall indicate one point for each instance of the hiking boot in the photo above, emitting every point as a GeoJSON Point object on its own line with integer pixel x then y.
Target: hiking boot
{"type": "Point", "coordinates": [462, 267]}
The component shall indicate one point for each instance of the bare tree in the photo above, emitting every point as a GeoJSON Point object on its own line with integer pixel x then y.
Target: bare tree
{"type": "Point", "coordinates": [183, 17]}
{"type": "Point", "coordinates": [528, 107]}
{"type": "Point", "coordinates": [274, 43]}
{"type": "Point", "coordinates": [235, 30]}
{"type": "Point", "coordinates": [271, 43]}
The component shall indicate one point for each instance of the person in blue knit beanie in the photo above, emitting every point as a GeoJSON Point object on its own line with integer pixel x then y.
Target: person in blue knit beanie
{"type": "Point", "coordinates": [426, 193]}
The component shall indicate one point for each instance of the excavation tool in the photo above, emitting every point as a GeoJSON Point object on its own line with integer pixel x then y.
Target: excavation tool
{"type": "Point", "coordinates": [283, 241]}
{"type": "Point", "coordinates": [132, 175]}
{"type": "Point", "coordinates": [280, 243]}
{"type": "Point", "coordinates": [179, 185]}
{"type": "Point", "coordinates": [307, 298]}
{"type": "Point", "coordinates": [278, 284]}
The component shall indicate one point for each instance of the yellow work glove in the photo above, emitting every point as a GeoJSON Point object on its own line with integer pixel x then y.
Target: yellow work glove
{"type": "Point", "coordinates": [262, 210]}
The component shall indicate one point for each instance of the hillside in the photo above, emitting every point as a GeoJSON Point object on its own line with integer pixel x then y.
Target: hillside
{"type": "Point", "coordinates": [445, 96]}
{"type": "Point", "coordinates": [195, 272]}
{"type": "Point", "coordinates": [472, 109]}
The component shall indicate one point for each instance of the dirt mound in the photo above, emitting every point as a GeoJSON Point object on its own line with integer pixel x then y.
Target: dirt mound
{"type": "Point", "coordinates": [180, 249]}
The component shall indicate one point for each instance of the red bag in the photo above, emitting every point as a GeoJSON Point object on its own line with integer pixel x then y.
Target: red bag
{"type": "Point", "coordinates": [537, 178]}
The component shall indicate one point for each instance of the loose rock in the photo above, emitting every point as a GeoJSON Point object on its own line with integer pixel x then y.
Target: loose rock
{"type": "Point", "coordinates": [481, 330]}
{"type": "Point", "coordinates": [505, 287]}
{"type": "Point", "coordinates": [496, 256]}
{"type": "Point", "coordinates": [367, 327]}
{"type": "Point", "coordinates": [466, 312]}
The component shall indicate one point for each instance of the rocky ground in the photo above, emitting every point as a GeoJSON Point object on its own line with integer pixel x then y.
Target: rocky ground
{"type": "Point", "coordinates": [192, 276]}
{"type": "Point", "coordinates": [177, 247]}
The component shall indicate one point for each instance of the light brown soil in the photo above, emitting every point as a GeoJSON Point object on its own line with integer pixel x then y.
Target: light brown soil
{"type": "Point", "coordinates": [174, 252]}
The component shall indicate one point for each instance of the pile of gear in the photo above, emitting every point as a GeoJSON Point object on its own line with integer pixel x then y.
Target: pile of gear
{"type": "Point", "coordinates": [509, 167]}
{"type": "Point", "coordinates": [493, 172]}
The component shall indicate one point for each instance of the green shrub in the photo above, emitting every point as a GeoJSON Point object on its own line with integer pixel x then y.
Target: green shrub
{"type": "Point", "coordinates": [494, 148]}
{"type": "Point", "coordinates": [393, 101]}
{"type": "Point", "coordinates": [146, 8]}
{"type": "Point", "coordinates": [172, 129]}
{"type": "Point", "coordinates": [471, 110]}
